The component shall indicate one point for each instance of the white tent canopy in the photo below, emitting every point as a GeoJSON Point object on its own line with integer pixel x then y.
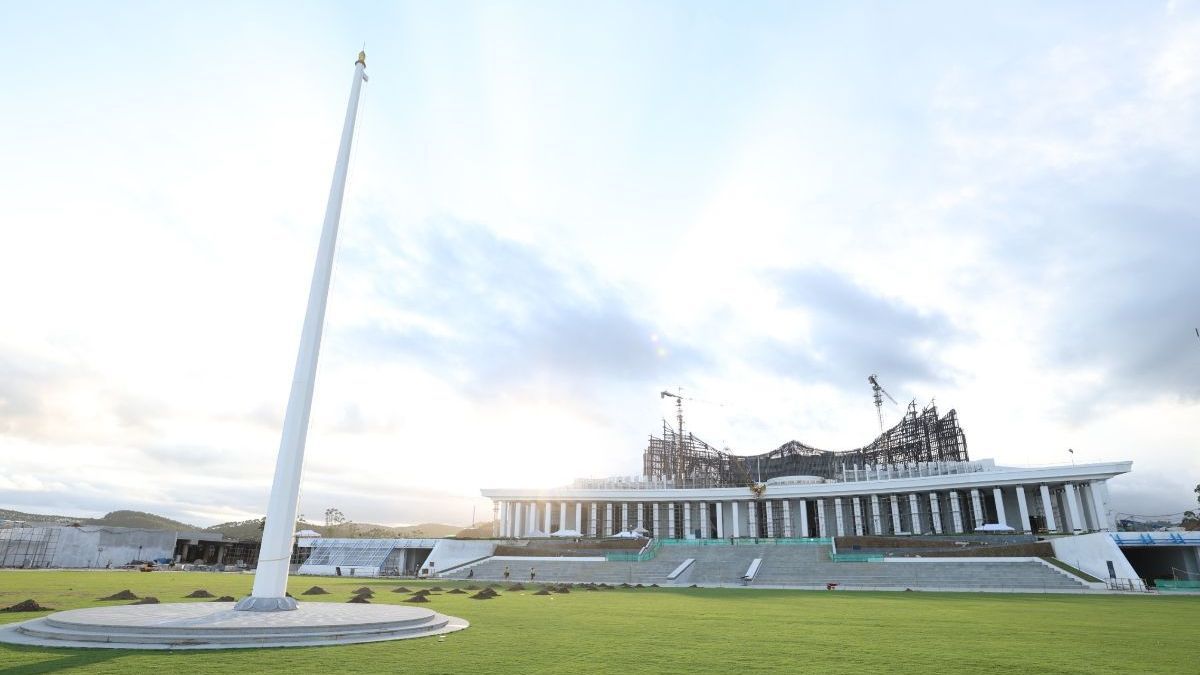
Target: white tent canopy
{"type": "Point", "coordinates": [566, 533]}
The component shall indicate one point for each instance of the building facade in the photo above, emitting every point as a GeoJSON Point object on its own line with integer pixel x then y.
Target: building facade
{"type": "Point", "coordinates": [891, 499]}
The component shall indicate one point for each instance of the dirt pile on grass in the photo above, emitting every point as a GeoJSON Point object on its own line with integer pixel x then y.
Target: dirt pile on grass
{"type": "Point", "coordinates": [315, 590]}
{"type": "Point", "coordinates": [562, 589]}
{"type": "Point", "coordinates": [423, 592]}
{"type": "Point", "coordinates": [122, 595]}
{"type": "Point", "coordinates": [360, 600]}
{"type": "Point", "coordinates": [202, 593]}
{"type": "Point", "coordinates": [456, 591]}
{"type": "Point", "coordinates": [361, 594]}
{"type": "Point", "coordinates": [360, 591]}
{"type": "Point", "coordinates": [516, 587]}
{"type": "Point", "coordinates": [472, 587]}
{"type": "Point", "coordinates": [436, 588]}
{"type": "Point", "coordinates": [401, 589]}
{"type": "Point", "coordinates": [148, 600]}
{"type": "Point", "coordinates": [542, 592]}
{"type": "Point", "coordinates": [485, 594]}
{"type": "Point", "coordinates": [626, 586]}
{"type": "Point", "coordinates": [226, 598]}
{"type": "Point", "coordinates": [26, 606]}
{"type": "Point", "coordinates": [418, 598]}
{"type": "Point", "coordinates": [590, 588]}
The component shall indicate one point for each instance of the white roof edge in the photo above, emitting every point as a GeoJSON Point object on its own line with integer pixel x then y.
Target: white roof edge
{"type": "Point", "coordinates": [998, 476]}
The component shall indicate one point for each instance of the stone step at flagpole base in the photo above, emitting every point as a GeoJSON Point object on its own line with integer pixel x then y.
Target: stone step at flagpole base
{"type": "Point", "coordinates": [205, 625]}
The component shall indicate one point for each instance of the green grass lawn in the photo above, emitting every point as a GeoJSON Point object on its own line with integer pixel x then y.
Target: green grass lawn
{"type": "Point", "coordinates": [729, 631]}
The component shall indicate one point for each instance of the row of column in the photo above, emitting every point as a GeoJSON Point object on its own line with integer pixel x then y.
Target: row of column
{"type": "Point", "coordinates": [1060, 508]}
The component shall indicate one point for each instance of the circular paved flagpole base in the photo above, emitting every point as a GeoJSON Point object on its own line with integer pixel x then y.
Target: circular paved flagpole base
{"type": "Point", "coordinates": [216, 625]}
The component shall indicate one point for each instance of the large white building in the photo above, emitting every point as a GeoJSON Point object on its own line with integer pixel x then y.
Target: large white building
{"type": "Point", "coordinates": [915, 478]}
{"type": "Point", "coordinates": [921, 498]}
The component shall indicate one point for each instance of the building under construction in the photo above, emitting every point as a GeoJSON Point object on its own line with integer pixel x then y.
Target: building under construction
{"type": "Point", "coordinates": [686, 461]}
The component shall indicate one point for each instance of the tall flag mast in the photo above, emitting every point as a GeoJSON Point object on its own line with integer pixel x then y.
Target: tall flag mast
{"type": "Point", "coordinates": [270, 579]}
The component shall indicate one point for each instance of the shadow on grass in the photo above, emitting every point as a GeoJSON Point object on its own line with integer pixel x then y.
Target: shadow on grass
{"type": "Point", "coordinates": [72, 659]}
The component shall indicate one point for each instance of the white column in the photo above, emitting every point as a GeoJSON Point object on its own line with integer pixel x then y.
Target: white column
{"type": "Point", "coordinates": [531, 521]}
{"type": "Point", "coordinates": [877, 527]}
{"type": "Point", "coordinates": [595, 510]}
{"type": "Point", "coordinates": [503, 519]}
{"type": "Point", "coordinates": [837, 514]}
{"type": "Point", "coordinates": [737, 526]}
{"type": "Point", "coordinates": [269, 592]}
{"type": "Point", "coordinates": [624, 516]}
{"type": "Point", "coordinates": [804, 518]}
{"type": "Point", "coordinates": [752, 513]}
{"type": "Point", "coordinates": [1022, 510]}
{"type": "Point", "coordinates": [608, 519]}
{"type": "Point", "coordinates": [687, 520]}
{"type": "Point", "coordinates": [858, 516]}
{"type": "Point", "coordinates": [1048, 508]}
{"type": "Point", "coordinates": [770, 519]}
{"type": "Point", "coordinates": [787, 519]}
{"type": "Point", "coordinates": [562, 515]}
{"type": "Point", "coordinates": [914, 512]}
{"type": "Point", "coordinates": [720, 520]}
{"type": "Point", "coordinates": [549, 509]}
{"type": "Point", "coordinates": [956, 512]}
{"type": "Point", "coordinates": [654, 520]}
{"type": "Point", "coordinates": [579, 517]}
{"type": "Point", "coordinates": [641, 516]}
{"type": "Point", "coordinates": [1001, 517]}
{"type": "Point", "coordinates": [517, 533]}
{"type": "Point", "coordinates": [977, 507]}
{"type": "Point", "coordinates": [671, 520]}
{"type": "Point", "coordinates": [1077, 524]}
{"type": "Point", "coordinates": [1100, 504]}
{"type": "Point", "coordinates": [935, 513]}
{"type": "Point", "coordinates": [703, 524]}
{"type": "Point", "coordinates": [897, 526]}
{"type": "Point", "coordinates": [822, 529]}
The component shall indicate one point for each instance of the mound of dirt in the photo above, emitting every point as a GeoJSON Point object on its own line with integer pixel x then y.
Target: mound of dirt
{"type": "Point", "coordinates": [485, 594]}
{"type": "Point", "coordinates": [626, 586]}
{"type": "Point", "coordinates": [418, 598]}
{"type": "Point", "coordinates": [590, 588]}
{"type": "Point", "coordinates": [638, 586]}
{"type": "Point", "coordinates": [360, 599]}
{"type": "Point", "coordinates": [516, 587]}
{"type": "Point", "coordinates": [401, 589]}
{"type": "Point", "coordinates": [226, 598]}
{"type": "Point", "coordinates": [423, 592]}
{"type": "Point", "coordinates": [456, 591]}
{"type": "Point", "coordinates": [542, 592]}
{"type": "Point", "coordinates": [122, 595]}
{"type": "Point", "coordinates": [364, 589]}
{"type": "Point", "coordinates": [148, 600]}
{"type": "Point", "coordinates": [202, 593]}
{"type": "Point", "coordinates": [436, 588]}
{"type": "Point", "coordinates": [693, 586]}
{"type": "Point", "coordinates": [472, 587]}
{"type": "Point", "coordinates": [26, 606]}
{"type": "Point", "coordinates": [562, 589]}
{"type": "Point", "coordinates": [315, 590]}
{"type": "Point", "coordinates": [653, 585]}
{"type": "Point", "coordinates": [367, 594]}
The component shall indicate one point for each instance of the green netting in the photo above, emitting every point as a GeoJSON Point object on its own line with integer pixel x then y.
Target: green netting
{"type": "Point", "coordinates": [1176, 584]}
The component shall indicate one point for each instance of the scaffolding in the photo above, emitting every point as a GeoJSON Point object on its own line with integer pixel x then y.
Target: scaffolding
{"type": "Point", "coordinates": [27, 547]}
{"type": "Point", "coordinates": [687, 461]}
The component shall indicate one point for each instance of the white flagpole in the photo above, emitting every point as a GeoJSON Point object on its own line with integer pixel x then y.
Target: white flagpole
{"type": "Point", "coordinates": [270, 579]}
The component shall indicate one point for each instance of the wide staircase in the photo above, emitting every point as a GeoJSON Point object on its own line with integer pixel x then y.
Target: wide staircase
{"type": "Point", "coordinates": [813, 568]}
{"type": "Point", "coordinates": [796, 566]}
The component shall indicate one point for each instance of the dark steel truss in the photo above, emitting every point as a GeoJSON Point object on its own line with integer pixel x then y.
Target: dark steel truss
{"type": "Point", "coordinates": [919, 437]}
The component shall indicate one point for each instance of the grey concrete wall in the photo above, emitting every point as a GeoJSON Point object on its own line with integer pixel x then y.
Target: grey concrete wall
{"type": "Point", "coordinates": [97, 546]}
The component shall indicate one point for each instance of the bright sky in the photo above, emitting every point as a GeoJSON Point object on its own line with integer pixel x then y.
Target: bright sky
{"type": "Point", "coordinates": [556, 210]}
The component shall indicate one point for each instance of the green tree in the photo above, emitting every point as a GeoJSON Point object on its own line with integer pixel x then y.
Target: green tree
{"type": "Point", "coordinates": [1191, 521]}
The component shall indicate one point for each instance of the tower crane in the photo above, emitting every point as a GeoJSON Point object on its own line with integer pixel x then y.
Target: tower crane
{"type": "Point", "coordinates": [879, 392]}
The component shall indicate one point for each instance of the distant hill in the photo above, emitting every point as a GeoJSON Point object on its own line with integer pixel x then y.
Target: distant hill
{"type": "Point", "coordinates": [480, 531]}
{"type": "Point", "coordinates": [138, 519]}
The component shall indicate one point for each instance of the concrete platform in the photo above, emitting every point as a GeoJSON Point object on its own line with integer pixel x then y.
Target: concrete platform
{"type": "Point", "coordinates": [215, 625]}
